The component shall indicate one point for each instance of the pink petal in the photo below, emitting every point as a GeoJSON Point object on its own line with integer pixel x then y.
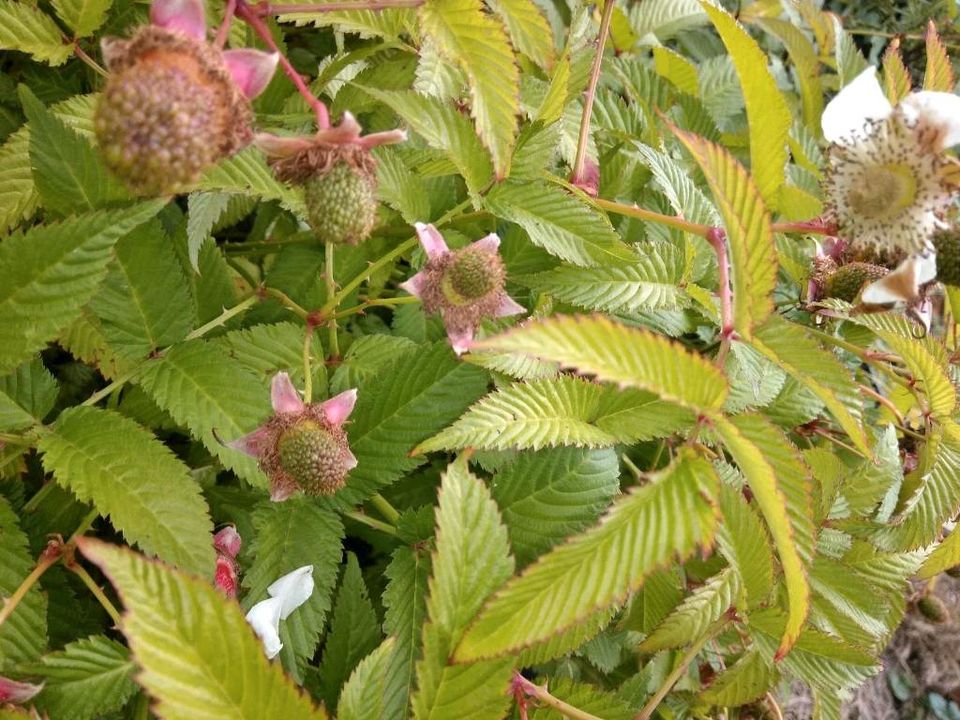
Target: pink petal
{"type": "Point", "coordinates": [432, 241]}
{"type": "Point", "coordinates": [227, 541]}
{"type": "Point", "coordinates": [460, 341]}
{"type": "Point", "coordinates": [280, 147]}
{"type": "Point", "coordinates": [490, 243]}
{"type": "Point", "coordinates": [282, 487]}
{"type": "Point", "coordinates": [225, 576]}
{"type": "Point", "coordinates": [509, 307]}
{"type": "Point", "coordinates": [15, 692]}
{"type": "Point", "coordinates": [350, 460]}
{"type": "Point", "coordinates": [414, 285]}
{"type": "Point", "coordinates": [253, 444]}
{"type": "Point", "coordinates": [284, 395]}
{"type": "Point", "coordinates": [186, 16]}
{"type": "Point", "coordinates": [338, 408]}
{"type": "Point", "coordinates": [347, 132]}
{"type": "Point", "coordinates": [251, 69]}
{"type": "Point", "coordinates": [388, 137]}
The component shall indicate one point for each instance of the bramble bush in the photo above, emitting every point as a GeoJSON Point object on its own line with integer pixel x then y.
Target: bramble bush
{"type": "Point", "coordinates": [461, 359]}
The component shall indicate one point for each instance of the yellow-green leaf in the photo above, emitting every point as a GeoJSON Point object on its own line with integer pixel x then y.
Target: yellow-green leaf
{"type": "Point", "coordinates": [938, 74]}
{"type": "Point", "coordinates": [896, 77]}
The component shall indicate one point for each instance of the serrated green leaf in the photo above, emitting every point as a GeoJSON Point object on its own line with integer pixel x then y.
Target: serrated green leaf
{"type": "Point", "coordinates": [198, 656]}
{"type": "Point", "coordinates": [938, 73]}
{"type": "Point", "coordinates": [26, 395]}
{"type": "Point", "coordinates": [366, 357]}
{"type": "Point", "coordinates": [791, 348]}
{"type": "Point", "coordinates": [946, 555]}
{"type": "Point", "coordinates": [665, 18]}
{"type": "Point", "coordinates": [23, 636]}
{"type": "Point", "coordinates": [68, 172]}
{"type": "Point", "coordinates": [143, 304]}
{"type": "Point", "coordinates": [767, 112]}
{"type": "Point", "coordinates": [292, 534]}
{"type": "Point", "coordinates": [469, 534]}
{"type": "Point", "coordinates": [745, 545]}
{"type": "Point", "coordinates": [247, 173]}
{"type": "Point", "coordinates": [528, 28]}
{"type": "Point", "coordinates": [444, 129]}
{"type": "Point", "coordinates": [388, 23]}
{"type": "Point", "coordinates": [676, 68]}
{"type": "Point", "coordinates": [619, 354]}
{"type": "Point", "coordinates": [363, 694]}
{"type": "Point", "coordinates": [204, 209]}
{"type": "Point", "coordinates": [780, 484]}
{"type": "Point", "coordinates": [586, 698]}
{"type": "Point", "coordinates": [87, 679]}
{"type": "Point", "coordinates": [51, 272]}
{"type": "Point", "coordinates": [399, 187]}
{"type": "Point", "coordinates": [694, 616]}
{"type": "Point", "coordinates": [25, 28]}
{"type": "Point", "coordinates": [354, 633]}
{"type": "Point", "coordinates": [849, 594]}
{"type": "Point", "coordinates": [807, 67]}
{"type": "Point", "coordinates": [745, 681]}
{"type": "Point", "coordinates": [478, 43]}
{"type": "Point", "coordinates": [83, 16]}
{"type": "Point", "coordinates": [268, 349]}
{"type": "Point", "coordinates": [560, 223]}
{"type": "Point", "coordinates": [676, 184]}
{"type": "Point", "coordinates": [208, 392]}
{"type": "Point", "coordinates": [18, 195]}
{"type": "Point", "coordinates": [128, 475]}
{"type": "Point", "coordinates": [669, 516]}
{"type": "Point", "coordinates": [896, 77]}
{"type": "Point", "coordinates": [547, 496]}
{"type": "Point", "coordinates": [753, 259]}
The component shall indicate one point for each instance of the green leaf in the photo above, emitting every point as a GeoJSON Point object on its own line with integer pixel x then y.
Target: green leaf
{"type": "Point", "coordinates": [26, 395]}
{"type": "Point", "coordinates": [675, 183]}
{"type": "Point", "coordinates": [549, 495]}
{"type": "Point", "coordinates": [143, 304]}
{"type": "Point", "coordinates": [791, 348]}
{"type": "Point", "coordinates": [354, 632]}
{"type": "Point", "coordinates": [443, 128]}
{"type": "Point", "coordinates": [649, 283]}
{"type": "Point", "coordinates": [52, 271]}
{"type": "Point", "coordinates": [366, 357]}
{"type": "Point", "coordinates": [27, 29]}
{"type": "Point", "coordinates": [669, 516]}
{"type": "Point", "coordinates": [83, 16]}
{"type": "Point", "coordinates": [807, 66]}
{"type": "Point", "coordinates": [745, 681]}
{"type": "Point", "coordinates": [753, 260]}
{"type": "Point", "coordinates": [528, 28]}
{"type": "Point", "coordinates": [560, 223]}
{"type": "Point", "coordinates": [616, 353]}
{"type": "Point", "coordinates": [768, 115]}
{"type": "Point", "coordinates": [781, 487]}
{"type": "Point", "coordinates": [399, 187]}
{"type": "Point", "coordinates": [85, 680]}
{"type": "Point", "coordinates": [586, 698]}
{"type": "Point", "coordinates": [387, 23]}
{"type": "Point", "coordinates": [23, 636]}
{"type": "Point", "coordinates": [128, 475]}
{"type": "Point", "coordinates": [247, 173]}
{"type": "Point", "coordinates": [938, 73]}
{"type": "Point", "coordinates": [665, 18]}
{"type": "Point", "coordinates": [204, 209]}
{"type": "Point", "coordinates": [421, 393]}
{"type": "Point", "coordinates": [694, 616]}
{"type": "Point", "coordinates": [465, 34]}
{"type": "Point", "coordinates": [198, 657]}
{"type": "Point", "coordinates": [363, 694]}
{"type": "Point", "coordinates": [208, 391]}
{"type": "Point", "coordinates": [946, 555]}
{"type": "Point", "coordinates": [292, 534]}
{"type": "Point", "coordinates": [18, 195]}
{"type": "Point", "coordinates": [744, 543]}
{"type": "Point", "coordinates": [469, 536]}
{"type": "Point", "coordinates": [69, 174]}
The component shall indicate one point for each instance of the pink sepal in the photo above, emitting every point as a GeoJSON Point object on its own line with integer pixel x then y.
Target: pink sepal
{"type": "Point", "coordinates": [490, 243]}
{"type": "Point", "coordinates": [277, 146]}
{"type": "Point", "coordinates": [460, 341]}
{"type": "Point", "coordinates": [281, 488]}
{"type": "Point", "coordinates": [284, 395]}
{"type": "Point", "coordinates": [15, 692]}
{"type": "Point", "coordinates": [225, 576]}
{"type": "Point", "coordinates": [227, 541]}
{"type": "Point", "coordinates": [431, 240]}
{"type": "Point", "coordinates": [589, 179]}
{"type": "Point", "coordinates": [509, 307]}
{"type": "Point", "coordinates": [253, 444]}
{"type": "Point", "coordinates": [338, 408]}
{"type": "Point", "coordinates": [414, 285]}
{"type": "Point", "coordinates": [387, 137]}
{"type": "Point", "coordinates": [186, 16]}
{"type": "Point", "coordinates": [350, 460]}
{"type": "Point", "coordinates": [252, 70]}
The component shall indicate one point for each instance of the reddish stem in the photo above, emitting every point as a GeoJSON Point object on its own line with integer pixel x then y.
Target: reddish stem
{"type": "Point", "coordinates": [224, 30]}
{"type": "Point", "coordinates": [250, 16]}
{"type": "Point", "coordinates": [718, 240]}
{"type": "Point", "coordinates": [265, 9]}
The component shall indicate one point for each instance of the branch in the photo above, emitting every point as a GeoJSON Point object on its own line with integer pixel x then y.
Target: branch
{"type": "Point", "coordinates": [674, 221]}
{"type": "Point", "coordinates": [523, 687]}
{"type": "Point", "coordinates": [266, 9]}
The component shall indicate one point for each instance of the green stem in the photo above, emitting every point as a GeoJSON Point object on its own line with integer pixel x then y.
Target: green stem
{"type": "Point", "coordinates": [307, 371]}
{"type": "Point", "coordinates": [381, 302]}
{"type": "Point", "coordinates": [47, 560]}
{"type": "Point", "coordinates": [371, 522]}
{"type": "Point", "coordinates": [541, 694]}
{"type": "Point", "coordinates": [95, 589]}
{"type": "Point", "coordinates": [591, 93]}
{"type": "Point", "coordinates": [287, 302]}
{"type": "Point", "coordinates": [331, 293]}
{"type": "Point", "coordinates": [31, 504]}
{"type": "Point", "coordinates": [385, 508]}
{"type": "Point", "coordinates": [643, 214]}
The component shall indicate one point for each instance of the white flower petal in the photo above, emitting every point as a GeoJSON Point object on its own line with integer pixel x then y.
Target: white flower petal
{"type": "Point", "coordinates": [903, 284]}
{"type": "Point", "coordinates": [937, 113]}
{"type": "Point", "coordinates": [859, 102]}
{"type": "Point", "coordinates": [264, 618]}
{"type": "Point", "coordinates": [293, 589]}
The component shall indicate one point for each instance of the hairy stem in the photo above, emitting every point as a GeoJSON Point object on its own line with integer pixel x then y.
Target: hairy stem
{"type": "Point", "coordinates": [331, 292]}
{"type": "Point", "coordinates": [95, 590]}
{"type": "Point", "coordinates": [591, 94]}
{"type": "Point", "coordinates": [541, 695]}
{"type": "Point", "coordinates": [266, 9]}
{"type": "Point", "coordinates": [89, 61]}
{"type": "Point", "coordinates": [673, 221]}
{"type": "Point", "coordinates": [385, 508]}
{"type": "Point", "coordinates": [647, 712]}
{"type": "Point", "coordinates": [371, 522]}
{"type": "Point", "coordinates": [286, 301]}
{"type": "Point", "coordinates": [253, 19]}
{"type": "Point", "coordinates": [224, 30]}
{"type": "Point", "coordinates": [307, 370]}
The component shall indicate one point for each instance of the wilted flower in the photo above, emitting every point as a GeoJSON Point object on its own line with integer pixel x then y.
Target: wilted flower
{"type": "Point", "coordinates": [16, 693]}
{"type": "Point", "coordinates": [464, 286]}
{"type": "Point", "coordinates": [885, 182]}
{"type": "Point", "coordinates": [302, 447]}
{"type": "Point", "coordinates": [338, 175]}
{"type": "Point", "coordinates": [286, 595]}
{"type": "Point", "coordinates": [227, 544]}
{"type": "Point", "coordinates": [174, 105]}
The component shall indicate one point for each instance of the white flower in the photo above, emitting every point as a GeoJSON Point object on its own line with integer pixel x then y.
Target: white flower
{"type": "Point", "coordinates": [286, 595]}
{"type": "Point", "coordinates": [884, 182]}
{"type": "Point", "coordinates": [904, 286]}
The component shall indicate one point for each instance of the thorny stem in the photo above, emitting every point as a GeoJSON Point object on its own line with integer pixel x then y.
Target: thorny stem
{"type": "Point", "coordinates": [94, 589]}
{"type": "Point", "coordinates": [371, 522]}
{"type": "Point", "coordinates": [266, 9]}
{"type": "Point", "coordinates": [523, 687]}
{"type": "Point", "coordinates": [285, 300]}
{"type": "Point", "coordinates": [331, 292]}
{"type": "Point", "coordinates": [380, 302]}
{"type": "Point", "coordinates": [224, 30]}
{"type": "Point", "coordinates": [252, 18]}
{"type": "Point", "coordinates": [591, 94]}
{"type": "Point", "coordinates": [647, 712]}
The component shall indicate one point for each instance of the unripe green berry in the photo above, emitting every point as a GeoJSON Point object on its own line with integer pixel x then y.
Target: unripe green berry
{"type": "Point", "coordinates": [341, 204]}
{"type": "Point", "coordinates": [947, 244]}
{"type": "Point", "coordinates": [933, 609]}
{"type": "Point", "coordinates": [847, 281]}
{"type": "Point", "coordinates": [313, 455]}
{"type": "Point", "coordinates": [473, 273]}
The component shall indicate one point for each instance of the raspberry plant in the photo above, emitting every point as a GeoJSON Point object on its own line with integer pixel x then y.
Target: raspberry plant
{"type": "Point", "coordinates": [605, 372]}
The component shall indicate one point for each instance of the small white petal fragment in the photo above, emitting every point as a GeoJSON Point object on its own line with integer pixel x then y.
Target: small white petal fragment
{"type": "Point", "coordinates": [935, 115]}
{"type": "Point", "coordinates": [293, 589]}
{"type": "Point", "coordinates": [903, 284]}
{"type": "Point", "coordinates": [859, 103]}
{"type": "Point", "coordinates": [264, 618]}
